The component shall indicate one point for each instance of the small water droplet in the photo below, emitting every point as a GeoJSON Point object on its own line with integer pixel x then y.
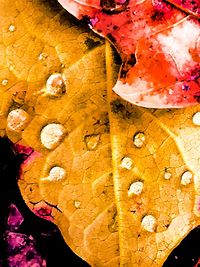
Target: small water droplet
{"type": "Point", "coordinates": [11, 67]}
{"type": "Point", "coordinates": [51, 135]}
{"type": "Point", "coordinates": [77, 204]}
{"type": "Point", "coordinates": [42, 56]}
{"type": "Point", "coordinates": [149, 223]}
{"type": "Point", "coordinates": [12, 28]}
{"type": "Point", "coordinates": [126, 163]}
{"type": "Point", "coordinates": [167, 175]}
{"type": "Point", "coordinates": [196, 118]}
{"type": "Point", "coordinates": [4, 82]}
{"type": "Point", "coordinates": [92, 141]}
{"type": "Point", "coordinates": [139, 139]}
{"type": "Point", "coordinates": [17, 120]}
{"type": "Point", "coordinates": [55, 85]}
{"type": "Point", "coordinates": [186, 178]}
{"type": "Point", "coordinates": [171, 91]}
{"type": "Point", "coordinates": [135, 188]}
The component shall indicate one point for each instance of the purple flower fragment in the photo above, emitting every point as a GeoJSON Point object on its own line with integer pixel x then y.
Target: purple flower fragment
{"type": "Point", "coordinates": [21, 248]}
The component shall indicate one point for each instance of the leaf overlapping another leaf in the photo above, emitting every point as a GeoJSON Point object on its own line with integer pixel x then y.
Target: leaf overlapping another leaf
{"type": "Point", "coordinates": [91, 205]}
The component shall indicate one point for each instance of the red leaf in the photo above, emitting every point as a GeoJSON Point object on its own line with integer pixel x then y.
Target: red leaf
{"type": "Point", "coordinates": [159, 45]}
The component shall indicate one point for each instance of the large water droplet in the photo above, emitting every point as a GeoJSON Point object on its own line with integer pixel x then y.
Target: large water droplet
{"type": "Point", "coordinates": [17, 120]}
{"type": "Point", "coordinates": [126, 163]}
{"type": "Point", "coordinates": [186, 178]}
{"type": "Point", "coordinates": [135, 188]}
{"type": "Point", "coordinates": [51, 135]}
{"type": "Point", "coordinates": [55, 85]}
{"type": "Point", "coordinates": [196, 118]}
{"type": "Point", "coordinates": [149, 223]}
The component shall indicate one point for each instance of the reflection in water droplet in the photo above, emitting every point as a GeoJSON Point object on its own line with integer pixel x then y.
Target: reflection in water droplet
{"type": "Point", "coordinates": [55, 85]}
{"type": "Point", "coordinates": [149, 223]}
{"type": "Point", "coordinates": [139, 139]}
{"type": "Point", "coordinates": [51, 135]}
{"type": "Point", "coordinates": [135, 188]}
{"type": "Point", "coordinates": [186, 178]}
{"type": "Point", "coordinates": [12, 28]}
{"type": "Point", "coordinates": [92, 141]}
{"type": "Point", "coordinates": [17, 120]}
{"type": "Point", "coordinates": [126, 163]}
{"type": "Point", "coordinates": [4, 82]}
{"type": "Point", "coordinates": [196, 118]}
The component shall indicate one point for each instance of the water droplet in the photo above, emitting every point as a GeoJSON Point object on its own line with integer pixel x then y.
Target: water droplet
{"type": "Point", "coordinates": [42, 56]}
{"type": "Point", "coordinates": [92, 141]}
{"type": "Point", "coordinates": [77, 204]}
{"type": "Point", "coordinates": [126, 163]}
{"type": "Point", "coordinates": [186, 178]}
{"type": "Point", "coordinates": [139, 139]}
{"type": "Point", "coordinates": [55, 85]}
{"type": "Point", "coordinates": [12, 28]}
{"type": "Point", "coordinates": [196, 118]}
{"type": "Point", "coordinates": [149, 223]}
{"type": "Point", "coordinates": [4, 82]}
{"type": "Point", "coordinates": [17, 120]}
{"type": "Point", "coordinates": [135, 189]}
{"type": "Point", "coordinates": [56, 173]}
{"type": "Point", "coordinates": [167, 175]}
{"type": "Point", "coordinates": [11, 67]}
{"type": "Point", "coordinates": [51, 135]}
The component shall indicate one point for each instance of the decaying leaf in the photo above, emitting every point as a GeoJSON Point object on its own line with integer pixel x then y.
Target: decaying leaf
{"type": "Point", "coordinates": [158, 43]}
{"type": "Point", "coordinates": [120, 181]}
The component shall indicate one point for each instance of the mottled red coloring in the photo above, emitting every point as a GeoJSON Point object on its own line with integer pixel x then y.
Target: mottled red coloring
{"type": "Point", "coordinates": [190, 6]}
{"type": "Point", "coordinates": [159, 45]}
{"type": "Point", "coordinates": [43, 210]}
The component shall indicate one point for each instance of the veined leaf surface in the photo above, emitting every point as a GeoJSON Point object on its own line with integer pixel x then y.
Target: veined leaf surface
{"type": "Point", "coordinates": [107, 146]}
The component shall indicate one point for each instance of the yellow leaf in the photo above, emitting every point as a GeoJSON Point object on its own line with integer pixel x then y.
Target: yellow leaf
{"type": "Point", "coordinates": [123, 181]}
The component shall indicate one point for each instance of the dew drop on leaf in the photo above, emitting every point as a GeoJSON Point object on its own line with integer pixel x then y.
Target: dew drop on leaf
{"type": "Point", "coordinates": [92, 141]}
{"type": "Point", "coordinates": [196, 118]}
{"type": "Point", "coordinates": [135, 188]}
{"type": "Point", "coordinates": [55, 85]}
{"type": "Point", "coordinates": [167, 175]}
{"type": "Point", "coordinates": [139, 140]}
{"type": "Point", "coordinates": [186, 178]}
{"type": "Point", "coordinates": [12, 28]}
{"type": "Point", "coordinates": [126, 163]}
{"type": "Point", "coordinates": [57, 173]}
{"type": "Point", "coordinates": [4, 82]}
{"type": "Point", "coordinates": [17, 120]}
{"type": "Point", "coordinates": [149, 223]}
{"type": "Point", "coordinates": [51, 135]}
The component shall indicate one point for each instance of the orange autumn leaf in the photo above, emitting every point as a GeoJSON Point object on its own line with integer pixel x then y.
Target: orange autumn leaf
{"type": "Point", "coordinates": [121, 182]}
